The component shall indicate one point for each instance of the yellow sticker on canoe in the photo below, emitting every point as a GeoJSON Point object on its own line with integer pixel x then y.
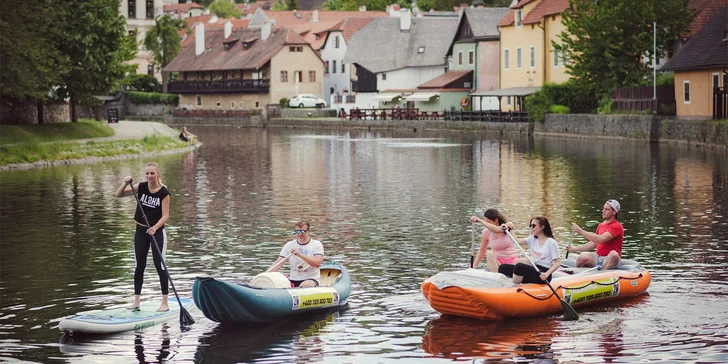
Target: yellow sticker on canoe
{"type": "Point", "coordinates": [601, 288]}
{"type": "Point", "coordinates": [318, 297]}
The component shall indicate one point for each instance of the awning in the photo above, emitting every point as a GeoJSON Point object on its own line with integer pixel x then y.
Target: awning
{"type": "Point", "coordinates": [421, 96]}
{"type": "Point", "coordinates": [513, 91]}
{"type": "Point", "coordinates": [386, 97]}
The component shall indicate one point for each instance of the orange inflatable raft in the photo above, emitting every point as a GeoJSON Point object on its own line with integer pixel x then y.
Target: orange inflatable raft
{"type": "Point", "coordinates": [493, 296]}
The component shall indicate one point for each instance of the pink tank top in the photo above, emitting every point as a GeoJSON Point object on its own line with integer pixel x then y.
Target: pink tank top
{"type": "Point", "coordinates": [501, 245]}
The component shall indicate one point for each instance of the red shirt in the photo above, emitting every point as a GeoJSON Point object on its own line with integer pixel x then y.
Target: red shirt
{"type": "Point", "coordinates": [616, 229]}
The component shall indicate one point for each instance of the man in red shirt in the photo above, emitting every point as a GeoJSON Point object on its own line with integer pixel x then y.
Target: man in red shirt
{"type": "Point", "coordinates": [607, 240]}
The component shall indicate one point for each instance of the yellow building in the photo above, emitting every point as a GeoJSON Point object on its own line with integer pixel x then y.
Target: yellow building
{"type": "Point", "coordinates": [527, 57]}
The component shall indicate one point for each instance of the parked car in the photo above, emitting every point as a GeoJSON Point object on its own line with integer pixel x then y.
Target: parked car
{"type": "Point", "coordinates": [306, 100]}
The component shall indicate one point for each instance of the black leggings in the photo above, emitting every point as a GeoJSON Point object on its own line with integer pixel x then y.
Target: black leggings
{"type": "Point", "coordinates": [142, 244]}
{"type": "Point", "coordinates": [524, 270]}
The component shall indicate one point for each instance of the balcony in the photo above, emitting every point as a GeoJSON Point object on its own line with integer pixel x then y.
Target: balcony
{"type": "Point", "coordinates": [219, 87]}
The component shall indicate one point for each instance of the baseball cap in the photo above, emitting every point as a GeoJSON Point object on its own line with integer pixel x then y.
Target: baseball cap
{"type": "Point", "coordinates": [614, 204]}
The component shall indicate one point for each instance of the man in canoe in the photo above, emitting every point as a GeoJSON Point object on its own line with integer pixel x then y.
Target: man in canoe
{"type": "Point", "coordinates": [607, 240]}
{"type": "Point", "coordinates": [306, 256]}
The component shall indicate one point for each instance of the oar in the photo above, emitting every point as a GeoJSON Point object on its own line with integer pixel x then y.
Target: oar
{"type": "Point", "coordinates": [569, 312]}
{"type": "Point", "coordinates": [571, 236]}
{"type": "Point", "coordinates": [185, 319]}
{"type": "Point", "coordinates": [472, 244]}
{"type": "Point", "coordinates": [278, 264]}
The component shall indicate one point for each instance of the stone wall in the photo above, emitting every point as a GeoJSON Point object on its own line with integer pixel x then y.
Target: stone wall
{"type": "Point", "coordinates": [133, 109]}
{"type": "Point", "coordinates": [16, 113]}
{"type": "Point", "coordinates": [308, 113]}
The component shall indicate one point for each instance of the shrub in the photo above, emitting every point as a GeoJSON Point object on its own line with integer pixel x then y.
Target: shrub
{"type": "Point", "coordinates": [665, 79]}
{"type": "Point", "coordinates": [606, 106]}
{"type": "Point", "coordinates": [559, 109]}
{"type": "Point", "coordinates": [537, 104]}
{"type": "Point", "coordinates": [256, 112]}
{"type": "Point", "coordinates": [152, 98]}
{"type": "Point", "coordinates": [143, 83]}
{"type": "Point", "coordinates": [284, 102]}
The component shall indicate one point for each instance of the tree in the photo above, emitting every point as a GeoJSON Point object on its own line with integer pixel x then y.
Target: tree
{"type": "Point", "coordinates": [291, 4]}
{"type": "Point", "coordinates": [283, 6]}
{"type": "Point", "coordinates": [164, 41]}
{"type": "Point", "coordinates": [225, 9]}
{"type": "Point", "coordinates": [95, 41]}
{"type": "Point", "coordinates": [607, 39]}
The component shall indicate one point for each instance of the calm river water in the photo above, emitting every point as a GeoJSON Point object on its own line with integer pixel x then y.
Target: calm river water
{"type": "Point", "coordinates": [393, 208]}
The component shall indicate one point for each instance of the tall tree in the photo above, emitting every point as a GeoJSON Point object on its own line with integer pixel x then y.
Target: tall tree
{"type": "Point", "coordinates": [164, 41]}
{"type": "Point", "coordinates": [225, 9]}
{"type": "Point", "coordinates": [95, 41]}
{"type": "Point", "coordinates": [608, 39]}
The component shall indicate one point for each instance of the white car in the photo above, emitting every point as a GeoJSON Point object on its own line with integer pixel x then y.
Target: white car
{"type": "Point", "coordinates": [306, 100]}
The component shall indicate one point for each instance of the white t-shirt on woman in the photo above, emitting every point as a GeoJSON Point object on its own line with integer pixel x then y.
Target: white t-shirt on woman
{"type": "Point", "coordinates": [543, 255]}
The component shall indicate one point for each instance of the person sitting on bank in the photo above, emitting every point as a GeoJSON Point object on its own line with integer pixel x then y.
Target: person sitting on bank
{"type": "Point", "coordinates": [607, 240]}
{"type": "Point", "coordinates": [306, 256]}
{"type": "Point", "coordinates": [185, 135]}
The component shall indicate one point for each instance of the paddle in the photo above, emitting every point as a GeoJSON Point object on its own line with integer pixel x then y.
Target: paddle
{"type": "Point", "coordinates": [569, 312]}
{"type": "Point", "coordinates": [185, 319]}
{"type": "Point", "coordinates": [279, 263]}
{"type": "Point", "coordinates": [571, 236]}
{"type": "Point", "coordinates": [472, 244]}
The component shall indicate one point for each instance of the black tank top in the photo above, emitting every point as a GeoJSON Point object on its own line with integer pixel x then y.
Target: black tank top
{"type": "Point", "coordinates": [152, 203]}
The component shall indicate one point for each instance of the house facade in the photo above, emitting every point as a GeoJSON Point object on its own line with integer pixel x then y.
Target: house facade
{"type": "Point", "coordinates": [527, 57]}
{"type": "Point", "coordinates": [701, 71]}
{"type": "Point", "coordinates": [141, 15]}
{"type": "Point", "coordinates": [244, 69]}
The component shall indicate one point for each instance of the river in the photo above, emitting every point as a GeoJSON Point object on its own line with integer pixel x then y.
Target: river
{"type": "Point", "coordinates": [393, 207]}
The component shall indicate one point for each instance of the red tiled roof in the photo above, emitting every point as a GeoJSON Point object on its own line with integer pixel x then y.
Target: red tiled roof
{"type": "Point", "coordinates": [443, 80]}
{"type": "Point", "coordinates": [183, 8]}
{"type": "Point", "coordinates": [704, 10]}
{"type": "Point", "coordinates": [353, 25]}
{"type": "Point", "coordinates": [205, 19]}
{"type": "Point", "coordinates": [314, 33]}
{"type": "Point", "coordinates": [521, 4]}
{"type": "Point", "coordinates": [217, 58]}
{"type": "Point", "coordinates": [508, 19]}
{"type": "Point", "coordinates": [545, 8]}
{"type": "Point", "coordinates": [284, 19]}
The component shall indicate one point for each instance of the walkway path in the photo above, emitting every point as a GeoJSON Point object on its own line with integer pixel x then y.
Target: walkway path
{"type": "Point", "coordinates": [126, 130]}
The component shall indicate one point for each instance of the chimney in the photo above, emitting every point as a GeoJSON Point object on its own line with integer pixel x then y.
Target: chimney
{"type": "Point", "coordinates": [314, 16]}
{"type": "Point", "coordinates": [228, 29]}
{"type": "Point", "coordinates": [363, 8]}
{"type": "Point", "coordinates": [200, 39]}
{"type": "Point", "coordinates": [405, 20]}
{"type": "Point", "coordinates": [265, 30]}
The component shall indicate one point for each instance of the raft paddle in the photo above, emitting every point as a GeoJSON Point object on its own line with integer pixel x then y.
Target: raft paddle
{"type": "Point", "coordinates": [472, 244]}
{"type": "Point", "coordinates": [569, 312]}
{"type": "Point", "coordinates": [185, 319]}
{"type": "Point", "coordinates": [571, 236]}
{"type": "Point", "coordinates": [278, 264]}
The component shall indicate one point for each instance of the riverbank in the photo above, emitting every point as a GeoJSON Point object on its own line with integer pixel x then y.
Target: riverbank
{"type": "Point", "coordinates": [39, 148]}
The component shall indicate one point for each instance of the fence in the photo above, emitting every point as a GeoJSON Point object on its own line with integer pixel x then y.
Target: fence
{"type": "Point", "coordinates": [643, 98]}
{"type": "Point", "coordinates": [720, 103]}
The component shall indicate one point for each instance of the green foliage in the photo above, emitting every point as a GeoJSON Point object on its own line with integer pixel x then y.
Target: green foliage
{"type": "Point", "coordinates": [148, 98]}
{"type": "Point", "coordinates": [606, 106]}
{"type": "Point", "coordinates": [143, 83]}
{"type": "Point", "coordinates": [291, 4]}
{"type": "Point", "coordinates": [256, 112]}
{"type": "Point", "coordinates": [225, 9]}
{"type": "Point", "coordinates": [559, 109]}
{"type": "Point", "coordinates": [666, 79]}
{"type": "Point", "coordinates": [163, 39]}
{"type": "Point", "coordinates": [284, 102]}
{"type": "Point", "coordinates": [567, 97]}
{"type": "Point", "coordinates": [537, 104]}
{"type": "Point", "coordinates": [608, 39]}
{"type": "Point", "coordinates": [34, 133]}
{"type": "Point", "coordinates": [282, 6]}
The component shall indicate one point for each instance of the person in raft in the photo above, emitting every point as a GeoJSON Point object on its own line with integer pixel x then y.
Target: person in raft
{"type": "Point", "coordinates": [544, 253]}
{"type": "Point", "coordinates": [501, 249]}
{"type": "Point", "coordinates": [186, 136]}
{"type": "Point", "coordinates": [154, 198]}
{"type": "Point", "coordinates": [607, 240]}
{"type": "Point", "coordinates": [306, 256]}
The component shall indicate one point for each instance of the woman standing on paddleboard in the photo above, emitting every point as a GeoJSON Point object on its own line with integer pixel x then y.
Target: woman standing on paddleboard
{"type": "Point", "coordinates": [154, 199]}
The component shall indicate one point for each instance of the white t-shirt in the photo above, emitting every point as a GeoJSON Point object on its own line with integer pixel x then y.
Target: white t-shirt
{"type": "Point", "coordinates": [300, 270]}
{"type": "Point", "coordinates": [543, 255]}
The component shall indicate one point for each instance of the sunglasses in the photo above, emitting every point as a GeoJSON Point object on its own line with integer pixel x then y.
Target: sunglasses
{"type": "Point", "coordinates": [300, 231]}
{"type": "Point", "coordinates": [532, 226]}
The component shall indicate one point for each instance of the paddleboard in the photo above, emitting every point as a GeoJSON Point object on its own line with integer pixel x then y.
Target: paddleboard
{"type": "Point", "coordinates": [120, 319]}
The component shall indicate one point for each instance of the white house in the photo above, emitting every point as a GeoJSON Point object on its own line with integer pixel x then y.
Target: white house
{"type": "Point", "coordinates": [141, 15]}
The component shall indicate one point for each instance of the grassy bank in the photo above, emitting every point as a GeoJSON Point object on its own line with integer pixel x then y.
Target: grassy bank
{"type": "Point", "coordinates": [58, 132]}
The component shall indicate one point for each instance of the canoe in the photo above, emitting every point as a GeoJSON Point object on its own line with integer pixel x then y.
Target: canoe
{"type": "Point", "coordinates": [493, 296]}
{"type": "Point", "coordinates": [120, 319]}
{"type": "Point", "coordinates": [228, 302]}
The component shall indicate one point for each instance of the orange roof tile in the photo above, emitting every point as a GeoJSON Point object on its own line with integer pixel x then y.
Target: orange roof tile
{"type": "Point", "coordinates": [284, 19]}
{"type": "Point", "coordinates": [704, 10]}
{"type": "Point", "coordinates": [445, 79]}
{"type": "Point", "coordinates": [181, 8]}
{"type": "Point", "coordinates": [508, 19]}
{"type": "Point", "coordinates": [545, 8]}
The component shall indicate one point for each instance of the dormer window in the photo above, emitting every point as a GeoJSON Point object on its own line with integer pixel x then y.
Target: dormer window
{"type": "Point", "coordinates": [519, 17]}
{"type": "Point", "coordinates": [421, 49]}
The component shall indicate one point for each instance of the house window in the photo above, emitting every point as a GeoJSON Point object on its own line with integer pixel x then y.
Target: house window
{"type": "Point", "coordinates": [198, 100]}
{"type": "Point", "coordinates": [506, 58]}
{"type": "Point", "coordinates": [298, 75]}
{"type": "Point", "coordinates": [471, 57]}
{"type": "Point", "coordinates": [150, 69]}
{"type": "Point", "coordinates": [421, 49]}
{"type": "Point", "coordinates": [686, 92]}
{"type": "Point", "coordinates": [326, 67]}
{"type": "Point", "coordinates": [460, 58]}
{"type": "Point", "coordinates": [384, 76]}
{"type": "Point", "coordinates": [218, 104]}
{"type": "Point", "coordinates": [563, 55]}
{"type": "Point", "coordinates": [284, 76]}
{"type": "Point", "coordinates": [257, 104]}
{"type": "Point", "coordinates": [299, 49]}
{"type": "Point", "coordinates": [333, 66]}
{"type": "Point", "coordinates": [311, 76]}
{"type": "Point", "coordinates": [556, 57]}
{"type": "Point", "coordinates": [291, 49]}
{"type": "Point", "coordinates": [518, 57]}
{"type": "Point", "coordinates": [150, 9]}
{"type": "Point", "coordinates": [343, 67]}
{"type": "Point", "coordinates": [232, 105]}
{"type": "Point", "coordinates": [508, 100]}
{"type": "Point", "coordinates": [132, 9]}
{"type": "Point", "coordinates": [336, 41]}
{"type": "Point", "coordinates": [725, 80]}
{"type": "Point", "coordinates": [533, 56]}
{"type": "Point", "coordinates": [519, 18]}
{"type": "Point", "coordinates": [716, 81]}
{"type": "Point", "coordinates": [241, 105]}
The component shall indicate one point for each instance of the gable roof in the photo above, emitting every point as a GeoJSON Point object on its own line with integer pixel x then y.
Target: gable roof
{"type": "Point", "coordinates": [181, 8]}
{"type": "Point", "coordinates": [444, 80]}
{"type": "Point", "coordinates": [380, 46]}
{"type": "Point", "coordinates": [543, 9]}
{"type": "Point", "coordinates": [188, 35]}
{"type": "Point", "coordinates": [217, 58]}
{"type": "Point", "coordinates": [484, 21]}
{"type": "Point", "coordinates": [704, 11]}
{"type": "Point", "coordinates": [315, 33]}
{"type": "Point", "coordinates": [707, 49]}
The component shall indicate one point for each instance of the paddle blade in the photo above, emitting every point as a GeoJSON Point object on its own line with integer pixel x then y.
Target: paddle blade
{"type": "Point", "coordinates": [569, 312]}
{"type": "Point", "coordinates": [185, 319]}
